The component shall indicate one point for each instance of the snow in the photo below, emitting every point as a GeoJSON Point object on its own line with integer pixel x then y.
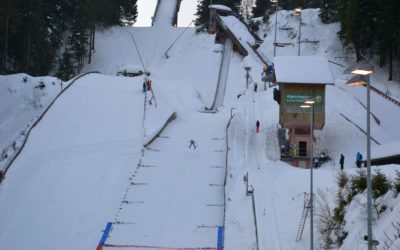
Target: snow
{"type": "Point", "coordinates": [302, 69]}
{"type": "Point", "coordinates": [386, 150]}
{"type": "Point", "coordinates": [220, 7]}
{"type": "Point", "coordinates": [85, 165]}
{"type": "Point", "coordinates": [22, 102]}
{"type": "Point", "coordinates": [239, 29]}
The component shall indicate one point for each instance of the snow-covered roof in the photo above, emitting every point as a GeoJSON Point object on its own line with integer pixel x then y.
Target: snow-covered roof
{"type": "Point", "coordinates": [303, 69]}
{"type": "Point", "coordinates": [239, 30]}
{"type": "Point", "coordinates": [219, 7]}
{"type": "Point", "coordinates": [385, 150]}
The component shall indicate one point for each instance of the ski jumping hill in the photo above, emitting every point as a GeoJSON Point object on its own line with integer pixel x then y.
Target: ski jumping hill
{"type": "Point", "coordinates": [84, 165]}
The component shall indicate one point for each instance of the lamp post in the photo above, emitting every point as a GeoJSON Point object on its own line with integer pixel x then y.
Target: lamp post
{"type": "Point", "coordinates": [362, 78]}
{"type": "Point", "coordinates": [276, 23]}
{"type": "Point", "coordinates": [297, 12]}
{"type": "Point", "coordinates": [309, 103]}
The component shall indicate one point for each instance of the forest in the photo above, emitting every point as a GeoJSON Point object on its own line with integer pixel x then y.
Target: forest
{"type": "Point", "coordinates": [32, 33]}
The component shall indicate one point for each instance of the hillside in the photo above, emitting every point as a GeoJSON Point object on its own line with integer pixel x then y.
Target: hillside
{"type": "Point", "coordinates": [85, 164]}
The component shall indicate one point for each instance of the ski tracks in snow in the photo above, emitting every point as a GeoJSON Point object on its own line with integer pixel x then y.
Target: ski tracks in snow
{"type": "Point", "coordinates": [175, 195]}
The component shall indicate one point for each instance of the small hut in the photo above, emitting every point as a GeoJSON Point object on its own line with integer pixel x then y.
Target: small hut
{"type": "Point", "coordinates": [300, 78]}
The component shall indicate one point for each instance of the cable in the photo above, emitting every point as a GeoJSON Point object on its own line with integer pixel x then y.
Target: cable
{"type": "Point", "coordinates": [137, 50]}
{"type": "Point", "coordinates": [173, 43]}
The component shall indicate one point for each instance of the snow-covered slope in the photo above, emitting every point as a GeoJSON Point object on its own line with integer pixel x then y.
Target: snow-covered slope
{"type": "Point", "coordinates": [85, 164]}
{"type": "Point", "coordinates": [23, 99]}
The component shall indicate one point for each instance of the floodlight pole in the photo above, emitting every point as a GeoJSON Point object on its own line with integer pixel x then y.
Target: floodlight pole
{"type": "Point", "coordinates": [276, 25]}
{"type": "Point", "coordinates": [312, 179]}
{"type": "Point", "coordinates": [369, 186]}
{"type": "Point", "coordinates": [299, 34]}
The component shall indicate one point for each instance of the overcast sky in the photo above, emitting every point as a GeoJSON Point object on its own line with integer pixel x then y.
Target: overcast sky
{"type": "Point", "coordinates": [146, 11]}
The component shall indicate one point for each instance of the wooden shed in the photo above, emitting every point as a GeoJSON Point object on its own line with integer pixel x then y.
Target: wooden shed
{"type": "Point", "coordinates": [300, 78]}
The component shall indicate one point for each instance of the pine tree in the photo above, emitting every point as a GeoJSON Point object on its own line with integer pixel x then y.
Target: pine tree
{"type": "Point", "coordinates": [328, 12]}
{"type": "Point", "coordinates": [246, 7]}
{"type": "Point", "coordinates": [128, 12]}
{"type": "Point", "coordinates": [66, 68]}
{"type": "Point", "coordinates": [261, 8]}
{"type": "Point", "coordinates": [78, 39]}
{"type": "Point", "coordinates": [203, 15]}
{"type": "Point", "coordinates": [388, 21]}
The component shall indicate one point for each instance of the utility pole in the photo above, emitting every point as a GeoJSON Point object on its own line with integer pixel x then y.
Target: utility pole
{"type": "Point", "coordinates": [247, 68]}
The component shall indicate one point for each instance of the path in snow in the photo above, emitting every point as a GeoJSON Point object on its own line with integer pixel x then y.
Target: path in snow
{"type": "Point", "coordinates": [175, 198]}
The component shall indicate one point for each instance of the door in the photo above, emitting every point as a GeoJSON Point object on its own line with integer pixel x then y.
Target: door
{"type": "Point", "coordinates": [302, 148]}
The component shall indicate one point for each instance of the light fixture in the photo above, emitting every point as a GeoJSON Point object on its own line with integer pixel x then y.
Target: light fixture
{"type": "Point", "coordinates": [363, 78]}
{"type": "Point", "coordinates": [356, 80]}
{"type": "Point", "coordinates": [304, 106]}
{"type": "Point", "coordinates": [360, 69]}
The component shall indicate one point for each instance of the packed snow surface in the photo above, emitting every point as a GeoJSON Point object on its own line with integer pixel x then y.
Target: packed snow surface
{"type": "Point", "coordinates": [84, 165]}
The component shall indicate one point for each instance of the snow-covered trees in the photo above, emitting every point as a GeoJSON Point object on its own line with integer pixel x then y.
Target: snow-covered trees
{"type": "Point", "coordinates": [328, 12]}
{"type": "Point", "coordinates": [32, 31]}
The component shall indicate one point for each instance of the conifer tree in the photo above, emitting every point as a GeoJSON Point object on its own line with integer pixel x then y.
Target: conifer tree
{"type": "Point", "coordinates": [203, 15]}
{"type": "Point", "coordinates": [328, 11]}
{"type": "Point", "coordinates": [127, 12]}
{"type": "Point", "coordinates": [261, 8]}
{"type": "Point", "coordinates": [66, 68]}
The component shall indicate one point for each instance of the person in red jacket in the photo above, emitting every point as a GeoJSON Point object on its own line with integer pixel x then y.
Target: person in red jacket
{"type": "Point", "coordinates": [148, 82]}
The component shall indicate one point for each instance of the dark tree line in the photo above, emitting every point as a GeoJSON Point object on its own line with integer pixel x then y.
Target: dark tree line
{"type": "Point", "coordinates": [372, 27]}
{"type": "Point", "coordinates": [33, 31]}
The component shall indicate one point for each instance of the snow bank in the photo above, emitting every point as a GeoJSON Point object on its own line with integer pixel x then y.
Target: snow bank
{"type": "Point", "coordinates": [23, 99]}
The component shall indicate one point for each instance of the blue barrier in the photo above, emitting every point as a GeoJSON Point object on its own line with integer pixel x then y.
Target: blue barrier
{"type": "Point", "coordinates": [105, 235]}
{"type": "Point", "coordinates": [220, 242]}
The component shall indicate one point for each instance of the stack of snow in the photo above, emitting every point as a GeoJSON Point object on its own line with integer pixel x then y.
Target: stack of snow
{"type": "Point", "coordinates": [23, 99]}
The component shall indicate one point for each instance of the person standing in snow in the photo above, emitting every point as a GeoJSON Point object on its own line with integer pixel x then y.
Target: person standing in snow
{"type": "Point", "coordinates": [144, 86]}
{"type": "Point", "coordinates": [192, 143]}
{"type": "Point", "coordinates": [148, 82]}
{"type": "Point", "coordinates": [255, 87]}
{"type": "Point", "coordinates": [341, 161]}
{"type": "Point", "coordinates": [294, 151]}
{"type": "Point", "coordinates": [358, 159]}
{"type": "Point", "coordinates": [257, 126]}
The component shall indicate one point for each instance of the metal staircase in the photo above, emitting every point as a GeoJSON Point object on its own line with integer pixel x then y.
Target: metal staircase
{"type": "Point", "coordinates": [306, 208]}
